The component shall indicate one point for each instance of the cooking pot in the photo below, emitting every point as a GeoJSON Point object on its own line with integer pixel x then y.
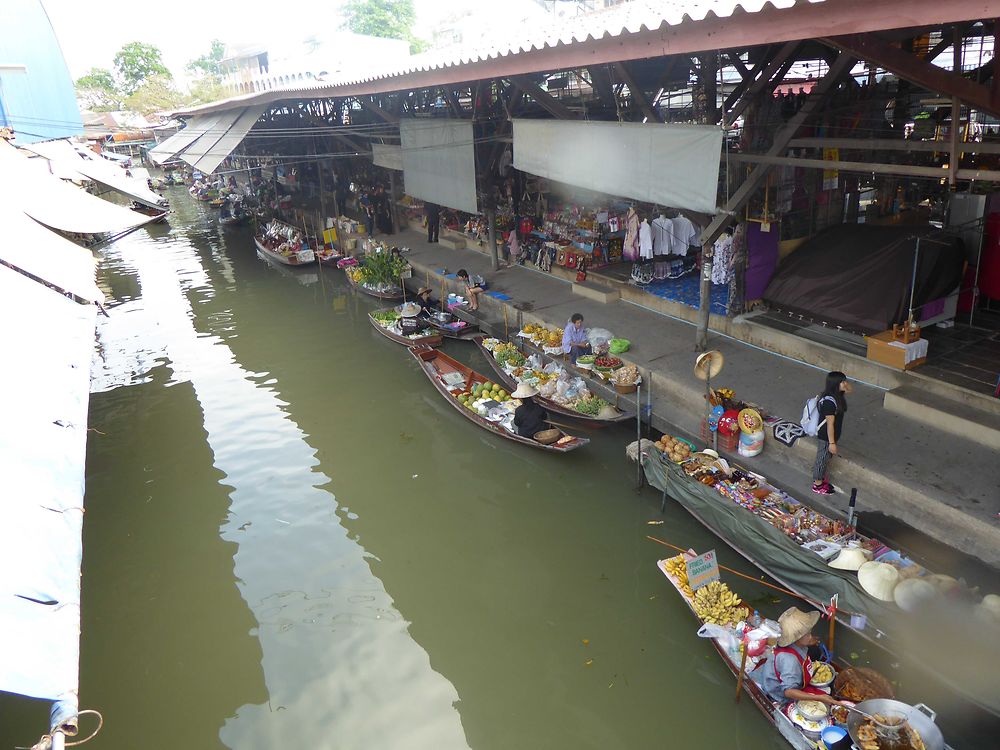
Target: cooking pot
{"type": "Point", "coordinates": [920, 717]}
{"type": "Point", "coordinates": [441, 317]}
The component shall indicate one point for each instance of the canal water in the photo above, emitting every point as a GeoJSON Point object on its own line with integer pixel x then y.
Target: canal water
{"type": "Point", "coordinates": [293, 541]}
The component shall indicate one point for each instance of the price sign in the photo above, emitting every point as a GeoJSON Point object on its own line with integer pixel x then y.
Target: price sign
{"type": "Point", "coordinates": [703, 569]}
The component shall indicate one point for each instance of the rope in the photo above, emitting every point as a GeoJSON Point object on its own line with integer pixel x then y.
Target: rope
{"type": "Point", "coordinates": [45, 741]}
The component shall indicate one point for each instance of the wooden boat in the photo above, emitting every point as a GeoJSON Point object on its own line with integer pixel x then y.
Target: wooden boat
{"type": "Point", "coordinates": [433, 339]}
{"type": "Point", "coordinates": [394, 295]}
{"type": "Point", "coordinates": [159, 213]}
{"type": "Point", "coordinates": [552, 406]}
{"type": "Point", "coordinates": [437, 365]}
{"type": "Point", "coordinates": [464, 333]}
{"type": "Point", "coordinates": [233, 221]}
{"type": "Point", "coordinates": [303, 258]}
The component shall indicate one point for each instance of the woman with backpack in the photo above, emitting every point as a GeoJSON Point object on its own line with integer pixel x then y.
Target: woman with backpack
{"type": "Point", "coordinates": [832, 405]}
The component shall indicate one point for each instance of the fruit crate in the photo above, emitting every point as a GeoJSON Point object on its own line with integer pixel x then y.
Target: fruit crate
{"type": "Point", "coordinates": [728, 443]}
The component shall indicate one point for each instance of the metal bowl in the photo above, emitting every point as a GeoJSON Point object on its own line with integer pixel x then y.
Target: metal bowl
{"type": "Point", "coordinates": [920, 717]}
{"type": "Point", "coordinates": [440, 316]}
{"type": "Point", "coordinates": [816, 715]}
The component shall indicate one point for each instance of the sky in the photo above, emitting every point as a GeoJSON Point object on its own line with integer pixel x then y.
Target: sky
{"type": "Point", "coordinates": [184, 29]}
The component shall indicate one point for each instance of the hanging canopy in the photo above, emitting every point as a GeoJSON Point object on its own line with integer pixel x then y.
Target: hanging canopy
{"type": "Point", "coordinates": [439, 162]}
{"type": "Point", "coordinates": [58, 204]}
{"type": "Point", "coordinates": [388, 156]}
{"type": "Point", "coordinates": [212, 148]}
{"type": "Point", "coordinates": [175, 144]}
{"type": "Point", "coordinates": [44, 386]}
{"type": "Point", "coordinates": [674, 166]}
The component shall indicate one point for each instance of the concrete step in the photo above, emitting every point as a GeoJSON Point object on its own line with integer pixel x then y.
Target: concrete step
{"type": "Point", "coordinates": [455, 243]}
{"type": "Point", "coordinates": [596, 292]}
{"type": "Point", "coordinates": [943, 413]}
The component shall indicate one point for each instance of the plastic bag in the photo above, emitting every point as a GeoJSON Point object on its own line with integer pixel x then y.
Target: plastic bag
{"type": "Point", "coordinates": [599, 336]}
{"type": "Point", "coordinates": [619, 346]}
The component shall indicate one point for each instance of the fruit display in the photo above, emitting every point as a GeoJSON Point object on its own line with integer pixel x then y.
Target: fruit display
{"type": "Point", "coordinates": [673, 449]}
{"type": "Point", "coordinates": [716, 604]}
{"type": "Point", "coordinates": [627, 375]}
{"type": "Point", "coordinates": [607, 363]}
{"type": "Point", "coordinates": [678, 570]}
{"type": "Point", "coordinates": [542, 336]}
{"type": "Point", "coordinates": [586, 359]}
{"type": "Point", "coordinates": [822, 674]}
{"type": "Point", "coordinates": [385, 318]}
{"type": "Point", "coordinates": [590, 405]}
{"type": "Point", "coordinates": [507, 355]}
{"type": "Point", "coordinates": [476, 397]}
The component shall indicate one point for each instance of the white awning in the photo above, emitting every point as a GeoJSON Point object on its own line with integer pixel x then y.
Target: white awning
{"type": "Point", "coordinates": [56, 203]}
{"type": "Point", "coordinates": [164, 152]}
{"type": "Point", "coordinates": [388, 156]}
{"type": "Point", "coordinates": [439, 162]}
{"type": "Point", "coordinates": [44, 390]}
{"type": "Point", "coordinates": [671, 165]}
{"type": "Point", "coordinates": [215, 154]}
{"type": "Point", "coordinates": [31, 247]}
{"type": "Point", "coordinates": [98, 169]}
{"type": "Point", "coordinates": [204, 144]}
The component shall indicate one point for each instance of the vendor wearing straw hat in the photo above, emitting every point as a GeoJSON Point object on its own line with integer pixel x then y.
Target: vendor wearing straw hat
{"type": "Point", "coordinates": [424, 300]}
{"type": "Point", "coordinates": [409, 323]}
{"type": "Point", "coordinates": [529, 417]}
{"type": "Point", "coordinates": [785, 675]}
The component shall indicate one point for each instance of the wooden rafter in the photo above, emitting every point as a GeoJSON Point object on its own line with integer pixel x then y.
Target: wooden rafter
{"type": "Point", "coordinates": [921, 72]}
{"type": "Point", "coordinates": [600, 79]}
{"type": "Point", "coordinates": [368, 104]}
{"type": "Point", "coordinates": [766, 77]}
{"type": "Point", "coordinates": [638, 95]}
{"type": "Point", "coordinates": [545, 100]}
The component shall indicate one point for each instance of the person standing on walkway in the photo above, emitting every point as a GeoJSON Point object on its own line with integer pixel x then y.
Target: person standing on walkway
{"type": "Point", "coordinates": [433, 213]}
{"type": "Point", "coordinates": [575, 341]}
{"type": "Point", "coordinates": [832, 407]}
{"type": "Point", "coordinates": [368, 211]}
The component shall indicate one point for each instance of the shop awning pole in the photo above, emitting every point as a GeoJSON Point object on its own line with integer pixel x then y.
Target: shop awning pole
{"type": "Point", "coordinates": [491, 218]}
{"type": "Point", "coordinates": [704, 297]}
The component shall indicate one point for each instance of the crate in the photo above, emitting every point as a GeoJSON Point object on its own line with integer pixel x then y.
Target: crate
{"type": "Point", "coordinates": [728, 443]}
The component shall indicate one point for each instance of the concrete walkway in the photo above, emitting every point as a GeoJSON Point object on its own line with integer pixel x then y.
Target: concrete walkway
{"type": "Point", "coordinates": [944, 486]}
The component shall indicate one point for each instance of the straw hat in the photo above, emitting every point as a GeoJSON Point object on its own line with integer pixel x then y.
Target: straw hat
{"type": "Point", "coordinates": [524, 390]}
{"type": "Point", "coordinates": [423, 289]}
{"type": "Point", "coordinates": [878, 580]}
{"type": "Point", "coordinates": [794, 624]}
{"type": "Point", "coordinates": [708, 365]}
{"type": "Point", "coordinates": [712, 455]}
{"type": "Point", "coordinates": [850, 558]}
{"type": "Point", "coordinates": [409, 310]}
{"type": "Point", "coordinates": [750, 420]}
{"type": "Point", "coordinates": [914, 593]}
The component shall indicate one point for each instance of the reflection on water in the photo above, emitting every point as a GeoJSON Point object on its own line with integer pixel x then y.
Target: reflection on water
{"type": "Point", "coordinates": [292, 541]}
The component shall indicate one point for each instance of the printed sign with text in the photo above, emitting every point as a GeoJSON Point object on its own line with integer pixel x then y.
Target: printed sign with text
{"type": "Point", "coordinates": [703, 569]}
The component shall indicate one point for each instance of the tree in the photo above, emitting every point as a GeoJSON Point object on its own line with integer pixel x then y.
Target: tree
{"type": "Point", "coordinates": [98, 90]}
{"type": "Point", "coordinates": [155, 94]}
{"type": "Point", "coordinates": [210, 64]}
{"type": "Point", "coordinates": [389, 19]}
{"type": "Point", "coordinates": [207, 89]}
{"type": "Point", "coordinates": [135, 64]}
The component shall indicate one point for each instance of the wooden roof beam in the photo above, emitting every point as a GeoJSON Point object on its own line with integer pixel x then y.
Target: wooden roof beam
{"type": "Point", "coordinates": [638, 95]}
{"type": "Point", "coordinates": [600, 80]}
{"type": "Point", "coordinates": [545, 100]}
{"type": "Point", "coordinates": [368, 104]}
{"type": "Point", "coordinates": [769, 77]}
{"type": "Point", "coordinates": [921, 72]}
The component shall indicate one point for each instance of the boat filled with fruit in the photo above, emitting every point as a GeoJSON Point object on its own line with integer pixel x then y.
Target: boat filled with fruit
{"type": "Point", "coordinates": [559, 390]}
{"type": "Point", "coordinates": [388, 322]}
{"type": "Point", "coordinates": [284, 244]}
{"type": "Point", "coordinates": [745, 641]}
{"type": "Point", "coordinates": [484, 402]}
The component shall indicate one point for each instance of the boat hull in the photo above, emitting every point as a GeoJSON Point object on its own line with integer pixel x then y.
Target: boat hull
{"type": "Point", "coordinates": [390, 296]}
{"type": "Point", "coordinates": [432, 340]}
{"type": "Point", "coordinates": [279, 258]}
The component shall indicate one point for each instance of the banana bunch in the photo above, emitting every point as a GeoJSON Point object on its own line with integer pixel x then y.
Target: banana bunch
{"type": "Point", "coordinates": [678, 569]}
{"type": "Point", "coordinates": [716, 604]}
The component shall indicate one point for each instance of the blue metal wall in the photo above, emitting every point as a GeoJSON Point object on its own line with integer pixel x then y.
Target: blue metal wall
{"type": "Point", "coordinates": [39, 104]}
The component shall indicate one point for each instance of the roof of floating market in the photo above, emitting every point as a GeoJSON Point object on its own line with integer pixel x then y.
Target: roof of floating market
{"type": "Point", "coordinates": [635, 30]}
{"type": "Point", "coordinates": [208, 139]}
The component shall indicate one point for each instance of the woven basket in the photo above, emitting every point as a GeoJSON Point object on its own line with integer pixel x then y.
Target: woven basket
{"type": "Point", "coordinates": [547, 437]}
{"type": "Point", "coordinates": [627, 388]}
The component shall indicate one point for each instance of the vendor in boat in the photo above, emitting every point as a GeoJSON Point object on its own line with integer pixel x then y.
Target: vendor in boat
{"type": "Point", "coordinates": [410, 321]}
{"type": "Point", "coordinates": [427, 305]}
{"type": "Point", "coordinates": [785, 674]}
{"type": "Point", "coordinates": [529, 418]}
{"type": "Point", "coordinates": [575, 342]}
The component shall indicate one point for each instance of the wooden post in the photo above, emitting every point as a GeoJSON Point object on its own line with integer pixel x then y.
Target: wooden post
{"type": "Point", "coordinates": [956, 111]}
{"type": "Point", "coordinates": [833, 625]}
{"type": "Point", "coordinates": [392, 201]}
{"type": "Point", "coordinates": [491, 218]}
{"type": "Point", "coordinates": [705, 297]}
{"type": "Point", "coordinates": [743, 670]}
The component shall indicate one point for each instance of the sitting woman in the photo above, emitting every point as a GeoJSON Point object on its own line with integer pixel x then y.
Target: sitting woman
{"type": "Point", "coordinates": [529, 417]}
{"type": "Point", "coordinates": [474, 286]}
{"type": "Point", "coordinates": [427, 305]}
{"type": "Point", "coordinates": [575, 340]}
{"type": "Point", "coordinates": [411, 322]}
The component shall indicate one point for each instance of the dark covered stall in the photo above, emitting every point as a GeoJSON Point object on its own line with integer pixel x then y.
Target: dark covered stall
{"type": "Point", "coordinates": [858, 277]}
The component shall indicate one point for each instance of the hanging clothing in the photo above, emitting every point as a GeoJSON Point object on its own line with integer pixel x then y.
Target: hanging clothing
{"type": "Point", "coordinates": [722, 266]}
{"type": "Point", "coordinates": [645, 241]}
{"type": "Point", "coordinates": [685, 234]}
{"type": "Point", "coordinates": [663, 235]}
{"type": "Point", "coordinates": [630, 250]}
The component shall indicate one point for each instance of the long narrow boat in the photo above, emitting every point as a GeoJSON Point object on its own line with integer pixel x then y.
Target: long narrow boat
{"type": "Point", "coordinates": [441, 370]}
{"type": "Point", "coordinates": [301, 258]}
{"type": "Point", "coordinates": [392, 295]}
{"type": "Point", "coordinates": [552, 406]}
{"type": "Point", "coordinates": [449, 331]}
{"type": "Point", "coordinates": [789, 731]}
{"type": "Point", "coordinates": [434, 339]}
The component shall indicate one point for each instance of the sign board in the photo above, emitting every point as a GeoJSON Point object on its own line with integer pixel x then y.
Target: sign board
{"type": "Point", "coordinates": [703, 569]}
{"type": "Point", "coordinates": [831, 177]}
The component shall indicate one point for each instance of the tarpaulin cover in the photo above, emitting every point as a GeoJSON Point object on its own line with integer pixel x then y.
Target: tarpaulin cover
{"type": "Point", "coordinates": [44, 386]}
{"type": "Point", "coordinates": [858, 276]}
{"type": "Point", "coordinates": [808, 575]}
{"type": "Point", "coordinates": [387, 155]}
{"type": "Point", "coordinates": [670, 165]}
{"type": "Point", "coordinates": [439, 162]}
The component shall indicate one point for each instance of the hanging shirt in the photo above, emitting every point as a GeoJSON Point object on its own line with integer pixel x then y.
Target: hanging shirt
{"type": "Point", "coordinates": [685, 234]}
{"type": "Point", "coordinates": [645, 240]}
{"type": "Point", "coordinates": [663, 235]}
{"type": "Point", "coordinates": [722, 260]}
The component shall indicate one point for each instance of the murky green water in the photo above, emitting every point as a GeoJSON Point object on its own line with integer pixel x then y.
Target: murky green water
{"type": "Point", "coordinates": [292, 541]}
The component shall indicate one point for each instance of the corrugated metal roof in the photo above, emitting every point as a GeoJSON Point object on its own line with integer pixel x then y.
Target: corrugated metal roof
{"type": "Point", "coordinates": [637, 29]}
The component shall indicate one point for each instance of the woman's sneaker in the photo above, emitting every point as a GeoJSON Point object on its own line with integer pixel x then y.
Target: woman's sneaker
{"type": "Point", "coordinates": [824, 489]}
